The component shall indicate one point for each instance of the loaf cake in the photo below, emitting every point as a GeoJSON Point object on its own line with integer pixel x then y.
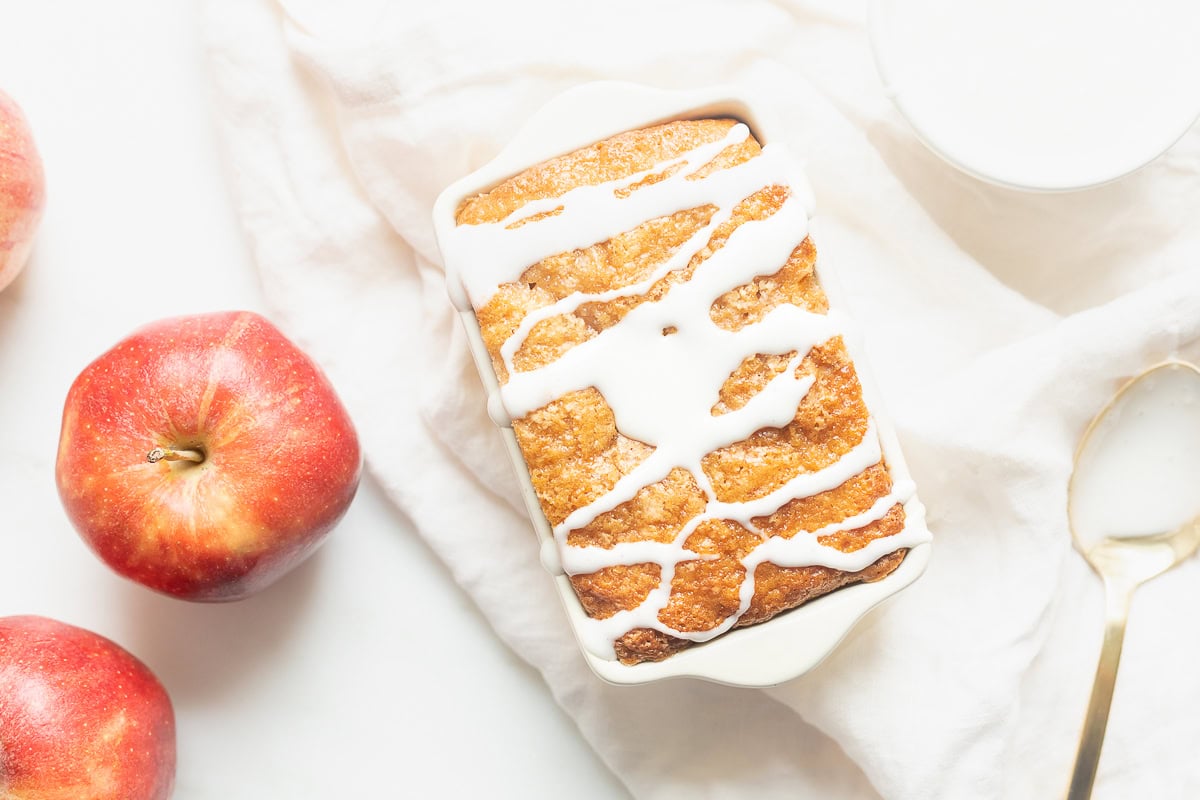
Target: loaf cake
{"type": "Point", "coordinates": [689, 417]}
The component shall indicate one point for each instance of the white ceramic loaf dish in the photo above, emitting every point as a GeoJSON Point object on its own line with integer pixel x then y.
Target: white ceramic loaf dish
{"type": "Point", "coordinates": [760, 655]}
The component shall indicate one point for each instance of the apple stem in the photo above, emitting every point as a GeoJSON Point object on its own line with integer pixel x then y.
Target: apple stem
{"type": "Point", "coordinates": [165, 454]}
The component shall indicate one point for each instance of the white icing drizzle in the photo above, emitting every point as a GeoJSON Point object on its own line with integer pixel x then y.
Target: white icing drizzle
{"type": "Point", "coordinates": [661, 367]}
{"type": "Point", "coordinates": [493, 254]}
{"type": "Point", "coordinates": [577, 560]}
{"type": "Point", "coordinates": [802, 549]}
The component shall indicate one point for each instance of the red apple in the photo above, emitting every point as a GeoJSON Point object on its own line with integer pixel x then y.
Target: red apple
{"type": "Point", "coordinates": [80, 718]}
{"type": "Point", "coordinates": [22, 190]}
{"type": "Point", "coordinates": [205, 456]}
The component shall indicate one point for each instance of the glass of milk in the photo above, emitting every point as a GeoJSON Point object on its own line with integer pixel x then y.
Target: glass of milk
{"type": "Point", "coordinates": [1047, 95]}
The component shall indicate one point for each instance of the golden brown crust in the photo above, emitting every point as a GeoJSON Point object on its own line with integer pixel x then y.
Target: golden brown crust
{"type": "Point", "coordinates": [616, 157]}
{"type": "Point", "coordinates": [777, 589]}
{"type": "Point", "coordinates": [617, 588]}
{"type": "Point", "coordinates": [575, 453]}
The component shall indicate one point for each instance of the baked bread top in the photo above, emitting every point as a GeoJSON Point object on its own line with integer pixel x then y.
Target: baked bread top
{"type": "Point", "coordinates": [689, 417]}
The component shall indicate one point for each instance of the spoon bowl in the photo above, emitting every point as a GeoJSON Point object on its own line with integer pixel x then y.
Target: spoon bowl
{"type": "Point", "coordinates": [1134, 509]}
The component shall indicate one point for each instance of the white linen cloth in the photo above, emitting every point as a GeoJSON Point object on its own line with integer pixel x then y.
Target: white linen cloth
{"type": "Point", "coordinates": [998, 323]}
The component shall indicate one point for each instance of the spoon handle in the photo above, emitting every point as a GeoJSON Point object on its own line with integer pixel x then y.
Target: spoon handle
{"type": "Point", "coordinates": [1117, 595]}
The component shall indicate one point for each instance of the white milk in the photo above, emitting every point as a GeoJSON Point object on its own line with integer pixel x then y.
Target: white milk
{"type": "Point", "coordinates": [1044, 94]}
{"type": "Point", "coordinates": [1139, 472]}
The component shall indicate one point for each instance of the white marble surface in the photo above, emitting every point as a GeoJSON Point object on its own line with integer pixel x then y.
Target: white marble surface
{"type": "Point", "coordinates": [365, 673]}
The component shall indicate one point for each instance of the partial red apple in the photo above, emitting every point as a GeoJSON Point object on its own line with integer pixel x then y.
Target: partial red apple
{"type": "Point", "coordinates": [22, 190]}
{"type": "Point", "coordinates": [80, 718]}
{"type": "Point", "coordinates": [205, 456]}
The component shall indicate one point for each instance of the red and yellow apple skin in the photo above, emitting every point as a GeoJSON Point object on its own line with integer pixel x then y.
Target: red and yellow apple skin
{"type": "Point", "coordinates": [22, 190]}
{"type": "Point", "coordinates": [80, 718]}
{"type": "Point", "coordinates": [277, 460]}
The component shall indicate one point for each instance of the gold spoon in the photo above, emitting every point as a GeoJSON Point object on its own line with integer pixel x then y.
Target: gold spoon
{"type": "Point", "coordinates": [1128, 542]}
